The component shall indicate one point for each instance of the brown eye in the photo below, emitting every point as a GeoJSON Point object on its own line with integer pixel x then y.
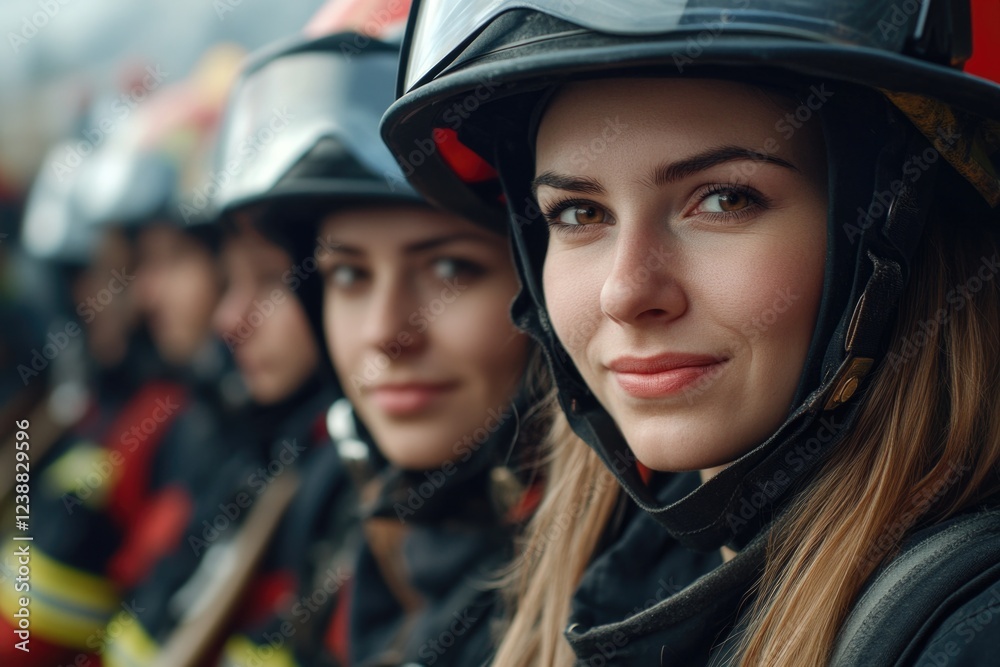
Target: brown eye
{"type": "Point", "coordinates": [733, 201]}
{"type": "Point", "coordinates": [728, 201]}
{"type": "Point", "coordinates": [588, 215]}
{"type": "Point", "coordinates": [582, 215]}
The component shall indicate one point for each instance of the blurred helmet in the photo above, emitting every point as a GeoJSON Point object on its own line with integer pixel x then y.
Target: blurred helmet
{"type": "Point", "coordinates": [300, 137]}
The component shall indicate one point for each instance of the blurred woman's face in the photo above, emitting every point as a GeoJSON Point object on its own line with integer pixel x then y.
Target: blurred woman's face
{"type": "Point", "coordinates": [416, 317]}
{"type": "Point", "coordinates": [685, 262]}
{"type": "Point", "coordinates": [178, 286]}
{"type": "Point", "coordinates": [261, 320]}
{"type": "Point", "coordinates": [105, 299]}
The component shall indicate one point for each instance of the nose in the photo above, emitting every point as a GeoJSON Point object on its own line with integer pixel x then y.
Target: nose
{"type": "Point", "coordinates": [145, 287]}
{"type": "Point", "coordinates": [391, 312]}
{"type": "Point", "coordinates": [230, 310]}
{"type": "Point", "coordinates": [642, 286]}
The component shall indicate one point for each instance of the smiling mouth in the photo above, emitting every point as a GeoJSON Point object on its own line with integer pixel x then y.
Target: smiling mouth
{"type": "Point", "coordinates": [408, 399]}
{"type": "Point", "coordinates": [665, 375]}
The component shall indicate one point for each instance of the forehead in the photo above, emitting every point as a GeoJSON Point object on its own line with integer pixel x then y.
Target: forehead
{"type": "Point", "coordinates": [162, 239]}
{"type": "Point", "coordinates": [663, 118]}
{"type": "Point", "coordinates": [247, 242]}
{"type": "Point", "coordinates": [396, 227]}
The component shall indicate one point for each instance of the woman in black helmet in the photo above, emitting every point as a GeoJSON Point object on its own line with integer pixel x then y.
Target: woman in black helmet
{"type": "Point", "coordinates": [757, 240]}
{"type": "Point", "coordinates": [413, 306]}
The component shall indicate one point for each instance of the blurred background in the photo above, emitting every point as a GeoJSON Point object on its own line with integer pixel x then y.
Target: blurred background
{"type": "Point", "coordinates": [62, 58]}
{"type": "Point", "coordinates": [86, 88]}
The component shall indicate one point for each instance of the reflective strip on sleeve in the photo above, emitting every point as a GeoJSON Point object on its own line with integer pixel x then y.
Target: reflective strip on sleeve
{"type": "Point", "coordinates": [128, 644]}
{"type": "Point", "coordinates": [240, 651]}
{"type": "Point", "coordinates": [68, 607]}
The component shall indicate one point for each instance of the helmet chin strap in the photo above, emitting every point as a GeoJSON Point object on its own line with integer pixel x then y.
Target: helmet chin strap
{"type": "Point", "coordinates": [732, 507]}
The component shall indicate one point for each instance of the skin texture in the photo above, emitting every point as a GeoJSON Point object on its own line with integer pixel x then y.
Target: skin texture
{"type": "Point", "coordinates": [416, 317]}
{"type": "Point", "coordinates": [261, 321]}
{"type": "Point", "coordinates": [723, 261]}
{"type": "Point", "coordinates": [178, 286]}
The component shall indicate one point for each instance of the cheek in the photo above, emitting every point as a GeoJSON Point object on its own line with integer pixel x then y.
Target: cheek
{"type": "Point", "coordinates": [771, 295]}
{"type": "Point", "coordinates": [195, 291]}
{"type": "Point", "coordinates": [339, 336]}
{"type": "Point", "coordinates": [477, 335]}
{"type": "Point", "coordinates": [285, 333]}
{"type": "Point", "coordinates": [572, 299]}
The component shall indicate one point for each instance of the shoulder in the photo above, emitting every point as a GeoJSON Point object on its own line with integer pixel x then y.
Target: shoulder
{"type": "Point", "coordinates": [920, 609]}
{"type": "Point", "coordinates": [968, 636]}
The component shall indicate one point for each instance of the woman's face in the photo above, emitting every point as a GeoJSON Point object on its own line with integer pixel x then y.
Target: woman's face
{"type": "Point", "coordinates": [685, 260]}
{"type": "Point", "coordinates": [178, 286]}
{"type": "Point", "coordinates": [106, 302]}
{"type": "Point", "coordinates": [416, 316]}
{"type": "Point", "coordinates": [261, 321]}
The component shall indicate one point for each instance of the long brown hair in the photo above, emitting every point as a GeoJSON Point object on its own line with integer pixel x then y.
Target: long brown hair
{"type": "Point", "coordinates": [926, 446]}
{"type": "Point", "coordinates": [558, 544]}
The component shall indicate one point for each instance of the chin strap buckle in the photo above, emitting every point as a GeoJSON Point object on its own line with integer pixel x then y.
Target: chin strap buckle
{"type": "Point", "coordinates": [848, 381]}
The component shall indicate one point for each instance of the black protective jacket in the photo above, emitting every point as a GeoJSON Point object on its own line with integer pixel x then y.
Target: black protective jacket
{"type": "Point", "coordinates": [695, 605]}
{"type": "Point", "coordinates": [425, 590]}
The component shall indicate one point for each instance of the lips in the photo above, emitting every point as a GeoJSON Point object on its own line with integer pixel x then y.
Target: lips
{"type": "Point", "coordinates": [410, 398]}
{"type": "Point", "coordinates": [663, 375]}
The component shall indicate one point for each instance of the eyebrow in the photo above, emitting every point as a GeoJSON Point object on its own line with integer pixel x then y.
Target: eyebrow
{"type": "Point", "coordinates": [666, 173]}
{"type": "Point", "coordinates": [417, 246]}
{"type": "Point", "coordinates": [671, 172]}
{"type": "Point", "coordinates": [583, 185]}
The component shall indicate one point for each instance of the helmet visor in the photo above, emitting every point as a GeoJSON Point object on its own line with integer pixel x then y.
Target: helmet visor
{"type": "Point", "coordinates": [441, 27]}
{"type": "Point", "coordinates": [282, 109]}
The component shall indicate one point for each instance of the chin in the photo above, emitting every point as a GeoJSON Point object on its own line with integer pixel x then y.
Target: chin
{"type": "Point", "coordinates": [662, 448]}
{"type": "Point", "coordinates": [412, 451]}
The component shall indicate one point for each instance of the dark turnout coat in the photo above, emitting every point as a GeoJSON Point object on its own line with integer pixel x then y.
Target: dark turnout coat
{"type": "Point", "coordinates": [646, 600]}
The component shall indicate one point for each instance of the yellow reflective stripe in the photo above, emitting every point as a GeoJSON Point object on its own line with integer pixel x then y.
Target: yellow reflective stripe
{"type": "Point", "coordinates": [130, 647]}
{"type": "Point", "coordinates": [85, 470]}
{"type": "Point", "coordinates": [67, 606]}
{"type": "Point", "coordinates": [240, 651]}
